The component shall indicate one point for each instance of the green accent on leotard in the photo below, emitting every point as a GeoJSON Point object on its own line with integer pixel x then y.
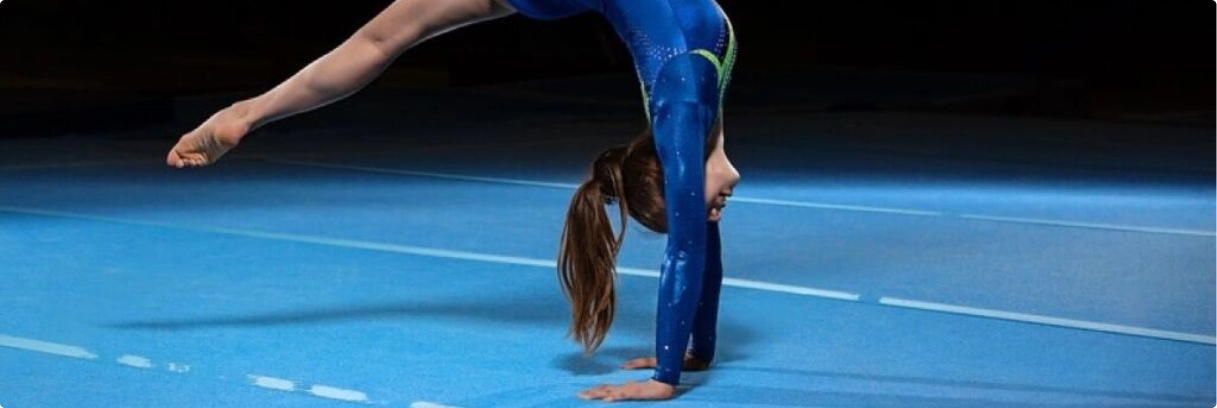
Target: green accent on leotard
{"type": "Point", "coordinates": [722, 66]}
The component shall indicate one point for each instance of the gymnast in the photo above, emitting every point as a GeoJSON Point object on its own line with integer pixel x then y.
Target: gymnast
{"type": "Point", "coordinates": [673, 178]}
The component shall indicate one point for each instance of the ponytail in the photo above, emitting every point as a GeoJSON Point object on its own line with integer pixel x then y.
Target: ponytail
{"type": "Point", "coordinates": [588, 252]}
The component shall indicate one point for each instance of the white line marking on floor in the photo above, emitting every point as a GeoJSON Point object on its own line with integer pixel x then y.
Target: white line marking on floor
{"type": "Point", "coordinates": [272, 383]}
{"type": "Point", "coordinates": [431, 252]}
{"type": "Point", "coordinates": [749, 284]}
{"type": "Point", "coordinates": [425, 404]}
{"type": "Point", "coordinates": [765, 286]}
{"type": "Point", "coordinates": [46, 347]}
{"type": "Point", "coordinates": [824, 206]}
{"type": "Point", "coordinates": [317, 390]}
{"type": "Point", "coordinates": [326, 391]}
{"type": "Point", "coordinates": [135, 361]}
{"type": "Point", "coordinates": [1092, 225]}
{"type": "Point", "coordinates": [129, 360]}
{"type": "Point", "coordinates": [494, 180]}
{"type": "Point", "coordinates": [796, 290]}
{"type": "Point", "coordinates": [765, 201]}
{"type": "Point", "coordinates": [1047, 320]}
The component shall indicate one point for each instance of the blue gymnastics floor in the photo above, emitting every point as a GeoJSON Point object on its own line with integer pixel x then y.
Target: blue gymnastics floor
{"type": "Point", "coordinates": [361, 256]}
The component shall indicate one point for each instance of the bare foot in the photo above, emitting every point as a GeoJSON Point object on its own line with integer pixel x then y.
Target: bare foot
{"type": "Point", "coordinates": [648, 390]}
{"type": "Point", "coordinates": [691, 363]}
{"type": "Point", "coordinates": [207, 143]}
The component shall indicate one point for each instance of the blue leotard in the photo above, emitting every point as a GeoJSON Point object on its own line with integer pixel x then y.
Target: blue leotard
{"type": "Point", "coordinates": [683, 51]}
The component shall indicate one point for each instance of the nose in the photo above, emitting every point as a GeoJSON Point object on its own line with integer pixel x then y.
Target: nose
{"type": "Point", "coordinates": [733, 178]}
{"type": "Point", "coordinates": [732, 172]}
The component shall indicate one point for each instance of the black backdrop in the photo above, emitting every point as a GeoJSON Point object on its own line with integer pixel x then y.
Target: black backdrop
{"type": "Point", "coordinates": [1121, 50]}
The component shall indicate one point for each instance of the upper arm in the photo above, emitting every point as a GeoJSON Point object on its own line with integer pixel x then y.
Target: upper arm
{"type": "Point", "coordinates": [684, 107]}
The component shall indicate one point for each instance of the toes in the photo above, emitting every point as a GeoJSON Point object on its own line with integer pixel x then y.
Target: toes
{"type": "Point", "coordinates": [187, 159]}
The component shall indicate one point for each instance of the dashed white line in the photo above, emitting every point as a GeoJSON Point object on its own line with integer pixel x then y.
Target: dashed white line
{"type": "Point", "coordinates": [135, 361]}
{"type": "Point", "coordinates": [272, 383]}
{"type": "Point", "coordinates": [425, 404]}
{"type": "Point", "coordinates": [131, 360]}
{"type": "Point", "coordinates": [316, 390]}
{"type": "Point", "coordinates": [326, 391]}
{"type": "Point", "coordinates": [46, 347]}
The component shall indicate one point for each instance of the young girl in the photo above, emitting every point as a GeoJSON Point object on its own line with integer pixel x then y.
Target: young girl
{"type": "Point", "coordinates": [674, 178]}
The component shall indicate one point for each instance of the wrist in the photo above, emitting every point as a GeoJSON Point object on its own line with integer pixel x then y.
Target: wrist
{"type": "Point", "coordinates": [664, 389]}
{"type": "Point", "coordinates": [666, 378]}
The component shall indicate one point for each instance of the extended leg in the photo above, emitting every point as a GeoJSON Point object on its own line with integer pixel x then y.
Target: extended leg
{"type": "Point", "coordinates": [335, 75]}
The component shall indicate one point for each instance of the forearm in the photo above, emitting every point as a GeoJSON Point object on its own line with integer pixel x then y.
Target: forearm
{"type": "Point", "coordinates": [680, 287]}
{"type": "Point", "coordinates": [705, 324]}
{"type": "Point", "coordinates": [680, 282]}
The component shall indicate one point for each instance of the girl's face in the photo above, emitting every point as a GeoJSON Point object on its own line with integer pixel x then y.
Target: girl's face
{"type": "Point", "coordinates": [721, 178]}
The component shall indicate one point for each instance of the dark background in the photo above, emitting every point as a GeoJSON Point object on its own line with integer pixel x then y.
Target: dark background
{"type": "Point", "coordinates": [1118, 60]}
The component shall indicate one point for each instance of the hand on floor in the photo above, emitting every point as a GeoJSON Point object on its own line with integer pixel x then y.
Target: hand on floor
{"type": "Point", "coordinates": [648, 390]}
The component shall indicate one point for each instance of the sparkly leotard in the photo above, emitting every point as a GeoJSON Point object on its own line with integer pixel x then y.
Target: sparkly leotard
{"type": "Point", "coordinates": [683, 52]}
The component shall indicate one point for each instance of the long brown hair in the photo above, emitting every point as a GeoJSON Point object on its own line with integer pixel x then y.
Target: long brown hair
{"type": "Point", "coordinates": [631, 177]}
